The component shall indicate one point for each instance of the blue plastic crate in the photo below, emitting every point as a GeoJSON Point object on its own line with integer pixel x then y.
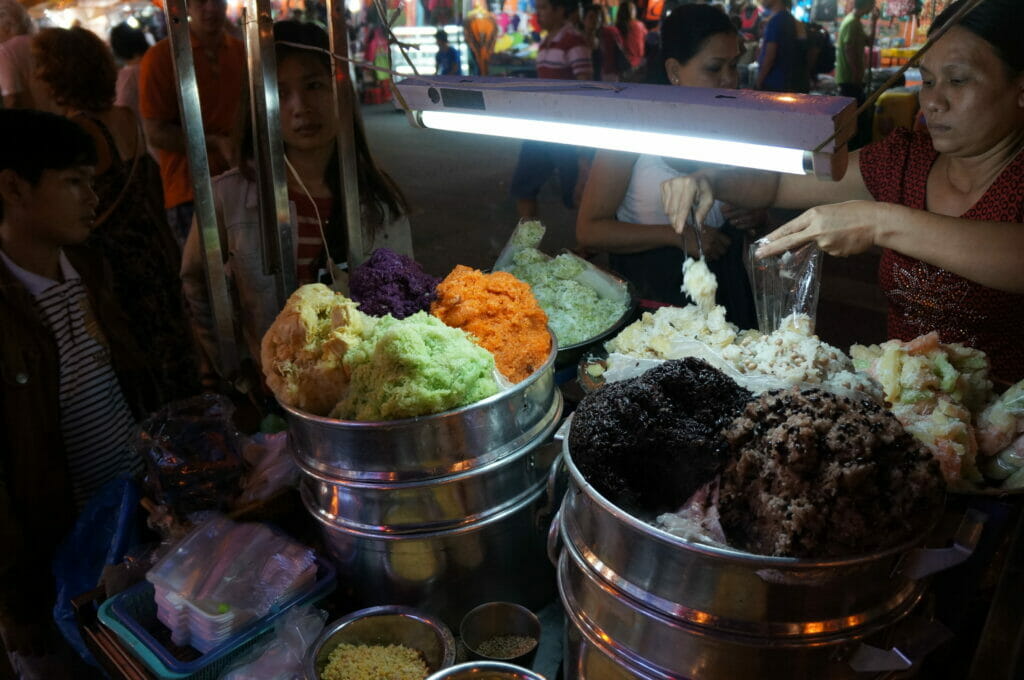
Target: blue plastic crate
{"type": "Point", "coordinates": [131, 615]}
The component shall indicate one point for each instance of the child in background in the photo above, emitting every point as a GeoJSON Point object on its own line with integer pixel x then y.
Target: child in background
{"type": "Point", "coordinates": [447, 59]}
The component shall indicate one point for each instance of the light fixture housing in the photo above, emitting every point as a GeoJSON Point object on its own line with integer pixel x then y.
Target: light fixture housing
{"type": "Point", "coordinates": [763, 130]}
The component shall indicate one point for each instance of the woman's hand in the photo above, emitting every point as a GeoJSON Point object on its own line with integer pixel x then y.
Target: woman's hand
{"type": "Point", "coordinates": [745, 219]}
{"type": "Point", "coordinates": [679, 194]}
{"type": "Point", "coordinates": [840, 229]}
{"type": "Point", "coordinates": [715, 243]}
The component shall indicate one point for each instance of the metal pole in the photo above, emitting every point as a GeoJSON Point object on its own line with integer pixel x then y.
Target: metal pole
{"type": "Point", "coordinates": [344, 97]}
{"type": "Point", "coordinates": [199, 169]}
{"type": "Point", "coordinates": [275, 216]}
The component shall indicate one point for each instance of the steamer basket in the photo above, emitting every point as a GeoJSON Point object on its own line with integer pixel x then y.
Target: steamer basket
{"type": "Point", "coordinates": [440, 503]}
{"type": "Point", "coordinates": [428, 446]}
{"type": "Point", "coordinates": [611, 636]}
{"type": "Point", "coordinates": [740, 592]}
{"type": "Point", "coordinates": [448, 571]}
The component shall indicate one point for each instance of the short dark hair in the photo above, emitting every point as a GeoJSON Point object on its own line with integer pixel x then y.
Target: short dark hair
{"type": "Point", "coordinates": [685, 31]}
{"type": "Point", "coordinates": [1000, 23]}
{"type": "Point", "coordinates": [441, 35]}
{"type": "Point", "coordinates": [78, 66]}
{"type": "Point", "coordinates": [128, 42]}
{"type": "Point", "coordinates": [36, 141]}
{"type": "Point", "coordinates": [569, 6]}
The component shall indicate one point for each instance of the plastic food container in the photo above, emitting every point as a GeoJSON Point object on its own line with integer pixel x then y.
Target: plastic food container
{"type": "Point", "coordinates": [133, 616]}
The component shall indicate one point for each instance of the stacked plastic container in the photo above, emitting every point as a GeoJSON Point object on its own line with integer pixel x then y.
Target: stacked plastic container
{"type": "Point", "coordinates": [192, 625]}
{"type": "Point", "coordinates": [223, 576]}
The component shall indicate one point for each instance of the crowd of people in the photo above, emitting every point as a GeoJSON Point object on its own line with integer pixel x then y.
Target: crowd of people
{"type": "Point", "coordinates": [103, 287]}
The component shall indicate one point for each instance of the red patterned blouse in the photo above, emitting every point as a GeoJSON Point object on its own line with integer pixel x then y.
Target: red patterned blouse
{"type": "Point", "coordinates": [922, 297]}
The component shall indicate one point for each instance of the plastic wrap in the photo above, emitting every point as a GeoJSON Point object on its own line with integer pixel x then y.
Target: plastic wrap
{"type": "Point", "coordinates": [784, 285]}
{"type": "Point", "coordinates": [280, 658]}
{"type": "Point", "coordinates": [223, 575]}
{"type": "Point", "coordinates": [582, 301]}
{"type": "Point", "coordinates": [193, 456]}
{"type": "Point", "coordinates": [272, 467]}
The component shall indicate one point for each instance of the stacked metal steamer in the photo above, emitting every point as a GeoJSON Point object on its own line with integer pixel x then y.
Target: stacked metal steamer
{"type": "Point", "coordinates": [440, 512]}
{"type": "Point", "coordinates": [642, 603]}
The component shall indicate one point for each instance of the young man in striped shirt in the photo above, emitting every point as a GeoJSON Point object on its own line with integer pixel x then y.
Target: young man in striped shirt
{"type": "Point", "coordinates": [563, 55]}
{"type": "Point", "coordinates": [69, 380]}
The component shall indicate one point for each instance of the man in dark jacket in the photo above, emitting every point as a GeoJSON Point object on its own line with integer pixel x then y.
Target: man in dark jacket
{"type": "Point", "coordinates": [71, 385]}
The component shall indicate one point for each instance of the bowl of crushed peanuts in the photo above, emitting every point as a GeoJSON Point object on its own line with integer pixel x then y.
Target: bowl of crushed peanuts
{"type": "Point", "coordinates": [392, 642]}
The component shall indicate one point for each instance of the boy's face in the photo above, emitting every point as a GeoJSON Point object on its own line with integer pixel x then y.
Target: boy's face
{"type": "Point", "coordinates": [548, 16]}
{"type": "Point", "coordinates": [59, 210]}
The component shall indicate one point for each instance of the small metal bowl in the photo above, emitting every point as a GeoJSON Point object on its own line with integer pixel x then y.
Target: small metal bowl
{"type": "Point", "coordinates": [496, 619]}
{"type": "Point", "coordinates": [387, 625]}
{"type": "Point", "coordinates": [486, 670]}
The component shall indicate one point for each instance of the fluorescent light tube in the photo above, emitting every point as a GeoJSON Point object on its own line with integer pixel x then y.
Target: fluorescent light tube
{"type": "Point", "coordinates": [701, 149]}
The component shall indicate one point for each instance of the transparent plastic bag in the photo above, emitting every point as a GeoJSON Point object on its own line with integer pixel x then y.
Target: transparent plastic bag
{"type": "Point", "coordinates": [272, 467]}
{"type": "Point", "coordinates": [281, 656]}
{"type": "Point", "coordinates": [784, 284]}
{"type": "Point", "coordinates": [192, 451]}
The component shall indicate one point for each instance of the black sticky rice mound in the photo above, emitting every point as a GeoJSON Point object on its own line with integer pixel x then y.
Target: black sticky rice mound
{"type": "Point", "coordinates": [648, 443]}
{"type": "Point", "coordinates": [812, 474]}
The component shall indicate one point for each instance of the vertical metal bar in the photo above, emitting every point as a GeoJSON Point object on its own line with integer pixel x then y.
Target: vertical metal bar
{"type": "Point", "coordinates": [275, 217]}
{"type": "Point", "coordinates": [199, 169]}
{"type": "Point", "coordinates": [344, 97]}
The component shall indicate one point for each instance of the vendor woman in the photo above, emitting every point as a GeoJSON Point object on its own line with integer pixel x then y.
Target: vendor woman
{"type": "Point", "coordinates": [946, 205]}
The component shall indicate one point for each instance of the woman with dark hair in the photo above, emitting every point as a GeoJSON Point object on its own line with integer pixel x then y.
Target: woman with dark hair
{"type": "Point", "coordinates": [309, 129]}
{"type": "Point", "coordinates": [621, 211]}
{"type": "Point", "coordinates": [622, 44]}
{"type": "Point", "coordinates": [76, 74]}
{"type": "Point", "coordinates": [946, 204]}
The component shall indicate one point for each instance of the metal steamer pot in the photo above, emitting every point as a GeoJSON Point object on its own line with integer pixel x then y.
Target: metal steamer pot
{"type": "Point", "coordinates": [609, 628]}
{"type": "Point", "coordinates": [449, 571]}
{"type": "Point", "coordinates": [428, 446]}
{"type": "Point", "coordinates": [441, 503]}
{"type": "Point", "coordinates": [655, 605]}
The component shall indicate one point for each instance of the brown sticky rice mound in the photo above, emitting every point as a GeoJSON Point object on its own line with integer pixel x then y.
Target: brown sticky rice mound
{"type": "Point", "coordinates": [813, 474]}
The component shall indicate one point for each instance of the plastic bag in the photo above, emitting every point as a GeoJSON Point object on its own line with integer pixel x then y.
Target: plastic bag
{"type": "Point", "coordinates": [103, 531]}
{"type": "Point", "coordinates": [193, 456]}
{"type": "Point", "coordinates": [784, 284]}
{"type": "Point", "coordinates": [281, 656]}
{"type": "Point", "coordinates": [272, 467]}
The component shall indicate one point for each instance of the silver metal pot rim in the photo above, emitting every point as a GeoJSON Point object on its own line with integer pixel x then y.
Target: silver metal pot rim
{"type": "Point", "coordinates": [727, 554]}
{"type": "Point", "coordinates": [781, 630]}
{"type": "Point", "coordinates": [500, 666]}
{"type": "Point", "coordinates": [402, 423]}
{"type": "Point", "coordinates": [578, 617]}
{"type": "Point", "coordinates": [548, 428]}
{"type": "Point", "coordinates": [466, 525]}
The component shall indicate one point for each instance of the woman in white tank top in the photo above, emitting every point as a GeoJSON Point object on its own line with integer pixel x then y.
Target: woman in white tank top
{"type": "Point", "coordinates": [621, 211]}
